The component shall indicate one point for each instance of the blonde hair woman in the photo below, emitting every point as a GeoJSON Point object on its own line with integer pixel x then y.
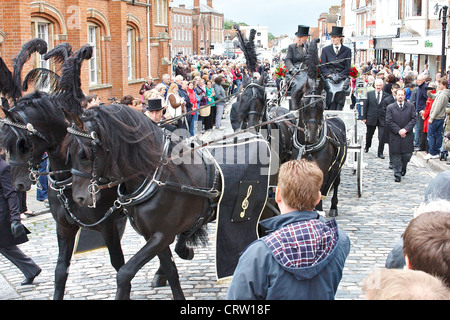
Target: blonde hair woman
{"type": "Point", "coordinates": [175, 103]}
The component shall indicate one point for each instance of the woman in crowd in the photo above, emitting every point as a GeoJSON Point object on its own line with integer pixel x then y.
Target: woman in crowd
{"type": "Point", "coordinates": [175, 104]}
{"type": "Point", "coordinates": [220, 95]}
{"type": "Point", "coordinates": [193, 99]}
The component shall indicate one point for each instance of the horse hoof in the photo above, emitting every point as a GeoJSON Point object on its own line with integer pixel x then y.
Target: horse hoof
{"type": "Point", "coordinates": [186, 254]}
{"type": "Point", "coordinates": [190, 254]}
{"type": "Point", "coordinates": [159, 281]}
{"type": "Point", "coordinates": [333, 213]}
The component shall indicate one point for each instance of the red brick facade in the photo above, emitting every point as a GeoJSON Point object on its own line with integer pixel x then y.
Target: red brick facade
{"type": "Point", "coordinates": [117, 28]}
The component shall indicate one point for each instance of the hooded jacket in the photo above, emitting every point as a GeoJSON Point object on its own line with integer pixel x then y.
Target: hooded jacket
{"type": "Point", "coordinates": [440, 104]}
{"type": "Point", "coordinates": [302, 259]}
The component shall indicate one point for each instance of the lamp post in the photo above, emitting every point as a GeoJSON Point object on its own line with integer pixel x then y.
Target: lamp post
{"type": "Point", "coordinates": [443, 17]}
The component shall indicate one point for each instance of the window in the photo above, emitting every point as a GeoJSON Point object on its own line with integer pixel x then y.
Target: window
{"type": "Point", "coordinates": [94, 63]}
{"type": "Point", "coordinates": [161, 12]}
{"type": "Point", "coordinates": [413, 8]}
{"type": "Point", "coordinates": [130, 53]}
{"type": "Point", "coordinates": [42, 33]}
{"type": "Point", "coordinates": [42, 29]}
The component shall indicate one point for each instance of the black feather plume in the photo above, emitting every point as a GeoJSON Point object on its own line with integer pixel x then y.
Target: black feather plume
{"type": "Point", "coordinates": [42, 79]}
{"type": "Point", "coordinates": [32, 46]}
{"type": "Point", "coordinates": [60, 53]}
{"type": "Point", "coordinates": [312, 59]}
{"type": "Point", "coordinates": [248, 48]}
{"type": "Point", "coordinates": [7, 85]}
{"type": "Point", "coordinates": [70, 83]}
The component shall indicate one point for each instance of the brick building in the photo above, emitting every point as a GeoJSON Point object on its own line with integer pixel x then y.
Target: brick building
{"type": "Point", "coordinates": [182, 30]}
{"type": "Point", "coordinates": [130, 38]}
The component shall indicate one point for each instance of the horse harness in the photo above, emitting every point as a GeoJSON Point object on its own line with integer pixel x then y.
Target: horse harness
{"type": "Point", "coordinates": [31, 131]}
{"type": "Point", "coordinates": [150, 186]}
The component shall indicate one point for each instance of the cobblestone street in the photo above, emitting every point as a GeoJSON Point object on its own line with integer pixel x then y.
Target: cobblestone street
{"type": "Point", "coordinates": [373, 222]}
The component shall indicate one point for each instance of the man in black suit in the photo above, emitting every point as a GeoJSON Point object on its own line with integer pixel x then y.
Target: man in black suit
{"type": "Point", "coordinates": [390, 99]}
{"type": "Point", "coordinates": [374, 116]}
{"type": "Point", "coordinates": [336, 74]}
{"type": "Point", "coordinates": [296, 55]}
{"type": "Point", "coordinates": [401, 117]}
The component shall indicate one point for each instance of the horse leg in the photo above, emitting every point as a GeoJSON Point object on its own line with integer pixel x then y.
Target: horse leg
{"type": "Point", "coordinates": [112, 240]}
{"type": "Point", "coordinates": [160, 279]}
{"type": "Point", "coordinates": [66, 242]}
{"type": "Point", "coordinates": [334, 200]}
{"type": "Point", "coordinates": [183, 251]}
{"type": "Point", "coordinates": [171, 271]}
{"type": "Point", "coordinates": [155, 245]}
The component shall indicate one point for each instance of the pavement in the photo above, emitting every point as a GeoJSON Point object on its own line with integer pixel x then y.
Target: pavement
{"type": "Point", "coordinates": [374, 224]}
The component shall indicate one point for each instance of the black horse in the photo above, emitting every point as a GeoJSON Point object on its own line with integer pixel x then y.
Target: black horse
{"type": "Point", "coordinates": [311, 135]}
{"type": "Point", "coordinates": [26, 148]}
{"type": "Point", "coordinates": [167, 190]}
{"type": "Point", "coordinates": [316, 137]}
{"type": "Point", "coordinates": [34, 125]}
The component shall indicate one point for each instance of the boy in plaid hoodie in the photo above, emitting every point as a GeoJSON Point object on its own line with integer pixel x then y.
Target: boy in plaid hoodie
{"type": "Point", "coordinates": [303, 255]}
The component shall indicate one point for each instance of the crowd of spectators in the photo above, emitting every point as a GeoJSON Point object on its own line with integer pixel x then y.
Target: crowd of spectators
{"type": "Point", "coordinates": [429, 94]}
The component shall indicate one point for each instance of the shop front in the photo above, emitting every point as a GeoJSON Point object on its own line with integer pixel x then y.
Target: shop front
{"type": "Point", "coordinates": [419, 52]}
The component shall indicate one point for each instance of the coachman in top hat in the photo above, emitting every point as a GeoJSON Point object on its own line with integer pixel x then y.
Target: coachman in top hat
{"type": "Point", "coordinates": [335, 69]}
{"type": "Point", "coordinates": [296, 56]}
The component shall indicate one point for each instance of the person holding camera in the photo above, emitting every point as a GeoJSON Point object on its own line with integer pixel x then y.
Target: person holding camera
{"type": "Point", "coordinates": [12, 231]}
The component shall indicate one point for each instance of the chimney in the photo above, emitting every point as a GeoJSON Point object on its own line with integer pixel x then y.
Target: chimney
{"type": "Point", "coordinates": [196, 3]}
{"type": "Point", "coordinates": [209, 3]}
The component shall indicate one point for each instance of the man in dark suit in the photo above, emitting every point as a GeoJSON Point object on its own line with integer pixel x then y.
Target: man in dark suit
{"type": "Point", "coordinates": [296, 55]}
{"type": "Point", "coordinates": [374, 116]}
{"type": "Point", "coordinates": [401, 117]}
{"type": "Point", "coordinates": [336, 74]}
{"type": "Point", "coordinates": [390, 99]}
{"type": "Point", "coordinates": [12, 231]}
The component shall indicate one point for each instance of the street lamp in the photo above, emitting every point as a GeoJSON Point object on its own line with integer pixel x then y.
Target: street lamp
{"type": "Point", "coordinates": [443, 16]}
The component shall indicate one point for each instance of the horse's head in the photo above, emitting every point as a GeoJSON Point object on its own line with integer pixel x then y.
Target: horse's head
{"type": "Point", "coordinates": [252, 103]}
{"type": "Point", "coordinates": [108, 145]}
{"type": "Point", "coordinates": [32, 127]}
{"type": "Point", "coordinates": [310, 117]}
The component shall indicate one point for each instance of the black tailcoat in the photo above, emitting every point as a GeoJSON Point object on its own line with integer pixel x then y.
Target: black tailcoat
{"type": "Point", "coordinates": [329, 55]}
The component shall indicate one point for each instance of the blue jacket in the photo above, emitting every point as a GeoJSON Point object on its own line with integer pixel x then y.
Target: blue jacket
{"type": "Point", "coordinates": [292, 263]}
{"type": "Point", "coordinates": [422, 97]}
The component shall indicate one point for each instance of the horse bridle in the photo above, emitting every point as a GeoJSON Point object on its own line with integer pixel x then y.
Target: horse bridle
{"type": "Point", "coordinates": [31, 131]}
{"type": "Point", "coordinates": [311, 104]}
{"type": "Point", "coordinates": [96, 183]}
{"type": "Point", "coordinates": [257, 113]}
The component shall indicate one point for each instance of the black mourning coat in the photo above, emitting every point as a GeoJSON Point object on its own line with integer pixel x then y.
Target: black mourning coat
{"type": "Point", "coordinates": [9, 208]}
{"type": "Point", "coordinates": [401, 118]}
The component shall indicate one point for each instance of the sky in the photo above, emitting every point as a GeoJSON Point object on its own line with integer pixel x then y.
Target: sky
{"type": "Point", "coordinates": [281, 16]}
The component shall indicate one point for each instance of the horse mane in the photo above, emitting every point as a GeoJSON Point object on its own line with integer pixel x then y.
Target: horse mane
{"type": "Point", "coordinates": [132, 142]}
{"type": "Point", "coordinates": [248, 48]}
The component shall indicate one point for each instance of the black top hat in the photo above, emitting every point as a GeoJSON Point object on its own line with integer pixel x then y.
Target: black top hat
{"type": "Point", "coordinates": [337, 32]}
{"type": "Point", "coordinates": [303, 31]}
{"type": "Point", "coordinates": [154, 105]}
